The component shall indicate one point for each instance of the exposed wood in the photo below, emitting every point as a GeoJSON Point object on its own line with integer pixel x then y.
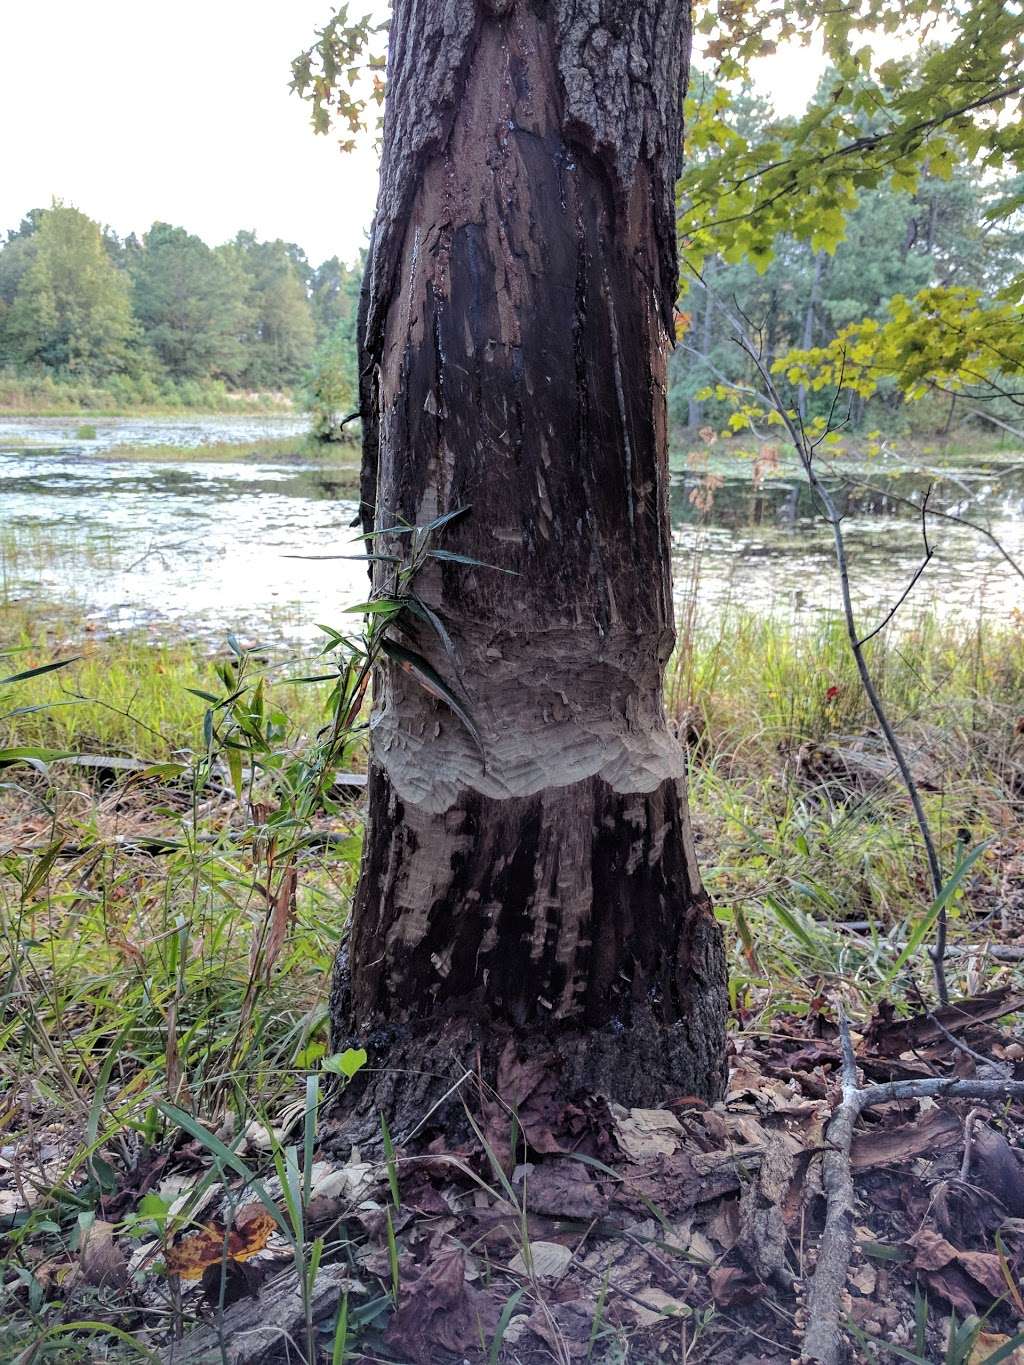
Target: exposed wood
{"type": "Point", "coordinates": [261, 1328]}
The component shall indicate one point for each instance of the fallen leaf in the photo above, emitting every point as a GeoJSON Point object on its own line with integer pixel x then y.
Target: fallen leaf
{"type": "Point", "coordinates": [547, 1261]}
{"type": "Point", "coordinates": [562, 1188]}
{"type": "Point", "coordinates": [213, 1244]}
{"type": "Point", "coordinates": [440, 1312]}
{"type": "Point", "coordinates": [646, 1133]}
{"type": "Point", "coordinates": [957, 1275]}
{"type": "Point", "coordinates": [731, 1285]}
{"type": "Point", "coordinates": [987, 1343]}
{"type": "Point", "coordinates": [101, 1260]}
{"type": "Point", "coordinates": [934, 1131]}
{"type": "Point", "coordinates": [995, 1167]}
{"type": "Point", "coordinates": [864, 1279]}
{"type": "Point", "coordinates": [888, 1036]}
{"type": "Point", "coordinates": [658, 1306]}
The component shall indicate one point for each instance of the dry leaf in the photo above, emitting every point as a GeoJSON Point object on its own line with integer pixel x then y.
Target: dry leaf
{"type": "Point", "coordinates": [934, 1131]}
{"type": "Point", "coordinates": [864, 1279]}
{"type": "Point", "coordinates": [548, 1261]}
{"type": "Point", "coordinates": [214, 1244]}
{"type": "Point", "coordinates": [646, 1133]}
{"type": "Point", "coordinates": [101, 1260]}
{"type": "Point", "coordinates": [987, 1343]}
{"type": "Point", "coordinates": [659, 1305]}
{"type": "Point", "coordinates": [282, 913]}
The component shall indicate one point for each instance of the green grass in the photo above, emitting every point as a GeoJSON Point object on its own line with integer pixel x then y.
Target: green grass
{"type": "Point", "coordinates": [133, 981]}
{"type": "Point", "coordinates": [43, 395]}
{"type": "Point", "coordinates": [343, 459]}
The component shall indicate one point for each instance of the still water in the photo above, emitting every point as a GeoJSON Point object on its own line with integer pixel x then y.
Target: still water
{"type": "Point", "coordinates": [206, 546]}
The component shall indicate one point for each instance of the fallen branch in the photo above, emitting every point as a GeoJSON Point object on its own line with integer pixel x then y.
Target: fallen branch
{"type": "Point", "coordinates": [260, 1329]}
{"type": "Point", "coordinates": [824, 1341]}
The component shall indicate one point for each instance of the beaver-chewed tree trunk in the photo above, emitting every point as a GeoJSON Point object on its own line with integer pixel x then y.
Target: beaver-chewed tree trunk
{"type": "Point", "coordinates": [536, 893]}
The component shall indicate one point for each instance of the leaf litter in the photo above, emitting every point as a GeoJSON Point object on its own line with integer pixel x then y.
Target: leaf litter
{"type": "Point", "coordinates": [599, 1233]}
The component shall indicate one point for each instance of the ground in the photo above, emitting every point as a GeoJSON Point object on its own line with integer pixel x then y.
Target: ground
{"type": "Point", "coordinates": [167, 938]}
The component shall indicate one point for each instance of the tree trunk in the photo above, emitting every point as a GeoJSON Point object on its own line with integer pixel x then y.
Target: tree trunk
{"type": "Point", "coordinates": [536, 893]}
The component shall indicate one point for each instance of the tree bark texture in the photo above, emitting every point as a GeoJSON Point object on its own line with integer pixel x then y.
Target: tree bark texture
{"type": "Point", "coordinates": [537, 890]}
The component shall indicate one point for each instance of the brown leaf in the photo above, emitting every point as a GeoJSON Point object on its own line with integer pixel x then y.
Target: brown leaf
{"type": "Point", "coordinates": [931, 1250]}
{"type": "Point", "coordinates": [101, 1260]}
{"type": "Point", "coordinates": [213, 1244]}
{"type": "Point", "coordinates": [995, 1168]}
{"type": "Point", "coordinates": [282, 912]}
{"type": "Point", "coordinates": [935, 1131]}
{"type": "Point", "coordinates": [888, 1036]}
{"type": "Point", "coordinates": [962, 1277]}
{"type": "Point", "coordinates": [984, 1267]}
{"type": "Point", "coordinates": [562, 1188]}
{"type": "Point", "coordinates": [987, 1343]}
{"type": "Point", "coordinates": [646, 1133]}
{"type": "Point", "coordinates": [731, 1285]}
{"type": "Point", "coordinates": [439, 1311]}
{"type": "Point", "coordinates": [955, 1287]}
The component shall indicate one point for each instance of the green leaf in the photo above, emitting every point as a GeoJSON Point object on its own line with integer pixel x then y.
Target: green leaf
{"type": "Point", "coordinates": [36, 672]}
{"type": "Point", "coordinates": [925, 923]}
{"type": "Point", "coordinates": [34, 757]}
{"type": "Point", "coordinates": [347, 1063]}
{"type": "Point", "coordinates": [226, 1157]}
{"type": "Point", "coordinates": [451, 558]}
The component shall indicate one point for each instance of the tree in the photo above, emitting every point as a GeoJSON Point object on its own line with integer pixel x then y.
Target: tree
{"type": "Point", "coordinates": [191, 304]}
{"type": "Point", "coordinates": [528, 888]}
{"type": "Point", "coordinates": [71, 309]}
{"type": "Point", "coordinates": [334, 295]}
{"type": "Point", "coordinates": [281, 338]}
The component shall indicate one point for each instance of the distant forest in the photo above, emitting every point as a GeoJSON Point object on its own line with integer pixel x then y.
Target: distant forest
{"type": "Point", "coordinates": [162, 318]}
{"type": "Point", "coordinates": [166, 316]}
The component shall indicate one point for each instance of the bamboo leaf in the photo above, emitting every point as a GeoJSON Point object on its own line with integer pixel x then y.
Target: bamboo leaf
{"type": "Point", "coordinates": [432, 682]}
{"type": "Point", "coordinates": [36, 672]}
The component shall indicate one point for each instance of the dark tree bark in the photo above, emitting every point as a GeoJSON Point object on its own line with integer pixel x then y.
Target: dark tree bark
{"type": "Point", "coordinates": [539, 892]}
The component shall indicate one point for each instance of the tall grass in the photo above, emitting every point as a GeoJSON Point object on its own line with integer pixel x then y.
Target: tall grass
{"type": "Point", "coordinates": [43, 395]}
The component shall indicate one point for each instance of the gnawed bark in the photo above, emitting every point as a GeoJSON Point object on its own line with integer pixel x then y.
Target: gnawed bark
{"type": "Point", "coordinates": [540, 884]}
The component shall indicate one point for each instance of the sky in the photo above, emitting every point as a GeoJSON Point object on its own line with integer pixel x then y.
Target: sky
{"type": "Point", "coordinates": [136, 112]}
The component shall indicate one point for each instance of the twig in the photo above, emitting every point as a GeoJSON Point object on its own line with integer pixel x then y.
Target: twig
{"type": "Point", "coordinates": [929, 555]}
{"type": "Point", "coordinates": [969, 1123]}
{"type": "Point", "coordinates": [943, 516]}
{"type": "Point", "coordinates": [959, 1043]}
{"type": "Point", "coordinates": [823, 1340]}
{"type": "Point", "coordinates": [806, 452]}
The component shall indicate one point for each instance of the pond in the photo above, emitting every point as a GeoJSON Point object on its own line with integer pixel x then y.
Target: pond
{"type": "Point", "coordinates": [206, 545]}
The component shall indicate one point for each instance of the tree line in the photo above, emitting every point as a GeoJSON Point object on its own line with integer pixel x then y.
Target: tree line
{"type": "Point", "coordinates": [77, 301]}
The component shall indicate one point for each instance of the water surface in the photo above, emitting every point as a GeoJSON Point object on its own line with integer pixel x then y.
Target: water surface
{"type": "Point", "coordinates": [208, 546]}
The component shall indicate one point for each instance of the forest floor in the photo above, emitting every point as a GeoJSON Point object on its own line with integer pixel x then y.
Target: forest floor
{"type": "Point", "coordinates": [170, 1181]}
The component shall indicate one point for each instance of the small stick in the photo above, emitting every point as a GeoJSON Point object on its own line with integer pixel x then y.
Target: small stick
{"type": "Point", "coordinates": [969, 1125]}
{"type": "Point", "coordinates": [823, 1340]}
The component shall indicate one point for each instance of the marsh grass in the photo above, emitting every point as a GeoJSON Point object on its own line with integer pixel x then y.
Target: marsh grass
{"type": "Point", "coordinates": [154, 953]}
{"type": "Point", "coordinates": [343, 457]}
{"type": "Point", "coordinates": [42, 395]}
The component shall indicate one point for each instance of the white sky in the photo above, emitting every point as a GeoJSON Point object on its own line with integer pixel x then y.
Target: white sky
{"type": "Point", "coordinates": [135, 111]}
